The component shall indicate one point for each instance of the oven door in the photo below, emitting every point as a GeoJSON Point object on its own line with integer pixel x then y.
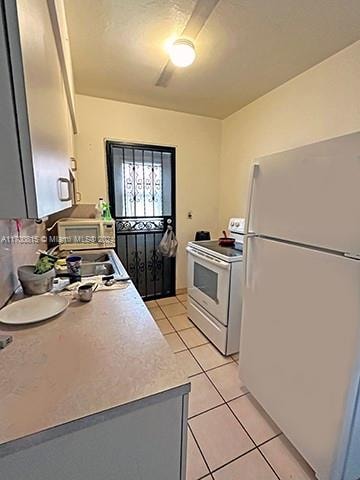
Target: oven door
{"type": "Point", "coordinates": [209, 283]}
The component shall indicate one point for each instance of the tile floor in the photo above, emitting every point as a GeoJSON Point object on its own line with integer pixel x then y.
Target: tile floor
{"type": "Point", "coordinates": [230, 437]}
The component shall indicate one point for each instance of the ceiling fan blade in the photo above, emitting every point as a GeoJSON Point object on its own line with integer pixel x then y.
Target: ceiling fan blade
{"type": "Point", "coordinates": [197, 20]}
{"type": "Point", "coordinates": [165, 75]}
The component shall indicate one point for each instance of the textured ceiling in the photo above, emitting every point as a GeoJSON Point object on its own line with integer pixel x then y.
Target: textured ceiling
{"type": "Point", "coordinates": [246, 48]}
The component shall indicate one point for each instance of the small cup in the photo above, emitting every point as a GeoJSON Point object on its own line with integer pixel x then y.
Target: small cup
{"type": "Point", "coordinates": [73, 264]}
{"type": "Point", "coordinates": [85, 292]}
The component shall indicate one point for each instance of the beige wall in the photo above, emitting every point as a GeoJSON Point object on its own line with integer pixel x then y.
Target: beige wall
{"type": "Point", "coordinates": [322, 102]}
{"type": "Point", "coordinates": [197, 142]}
{"type": "Point", "coordinates": [213, 156]}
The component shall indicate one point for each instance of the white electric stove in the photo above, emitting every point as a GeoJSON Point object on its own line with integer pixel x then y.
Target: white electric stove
{"type": "Point", "coordinates": [214, 288]}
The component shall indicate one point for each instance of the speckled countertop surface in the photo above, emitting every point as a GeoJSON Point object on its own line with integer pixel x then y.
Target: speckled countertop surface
{"type": "Point", "coordinates": [93, 357]}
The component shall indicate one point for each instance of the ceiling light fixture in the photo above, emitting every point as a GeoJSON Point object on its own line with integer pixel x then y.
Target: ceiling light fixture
{"type": "Point", "coordinates": [182, 52]}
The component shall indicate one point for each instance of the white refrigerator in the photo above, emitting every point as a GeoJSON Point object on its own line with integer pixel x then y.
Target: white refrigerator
{"type": "Point", "coordinates": [300, 334]}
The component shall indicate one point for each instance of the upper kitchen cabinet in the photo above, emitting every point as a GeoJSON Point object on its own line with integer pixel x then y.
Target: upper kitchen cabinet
{"type": "Point", "coordinates": [36, 120]}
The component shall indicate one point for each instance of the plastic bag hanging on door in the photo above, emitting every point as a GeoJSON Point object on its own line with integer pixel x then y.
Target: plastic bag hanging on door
{"type": "Point", "coordinates": [168, 244]}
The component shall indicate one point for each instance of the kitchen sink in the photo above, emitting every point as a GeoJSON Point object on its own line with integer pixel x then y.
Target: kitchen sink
{"type": "Point", "coordinates": [99, 262]}
{"type": "Point", "coordinates": [94, 257]}
{"type": "Point", "coordinates": [99, 268]}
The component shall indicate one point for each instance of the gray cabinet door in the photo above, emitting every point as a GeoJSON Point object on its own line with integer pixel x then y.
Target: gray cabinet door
{"type": "Point", "coordinates": [147, 443]}
{"type": "Point", "coordinates": [46, 105]}
{"type": "Point", "coordinates": [12, 195]}
{"type": "Point", "coordinates": [40, 110]}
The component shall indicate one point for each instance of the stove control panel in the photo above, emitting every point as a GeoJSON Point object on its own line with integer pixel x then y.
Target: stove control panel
{"type": "Point", "coordinates": [236, 225]}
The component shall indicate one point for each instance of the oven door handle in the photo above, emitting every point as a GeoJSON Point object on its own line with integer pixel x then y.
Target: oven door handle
{"type": "Point", "coordinates": [212, 260]}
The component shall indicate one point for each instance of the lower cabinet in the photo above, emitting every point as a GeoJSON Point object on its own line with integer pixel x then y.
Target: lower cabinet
{"type": "Point", "coordinates": [126, 443]}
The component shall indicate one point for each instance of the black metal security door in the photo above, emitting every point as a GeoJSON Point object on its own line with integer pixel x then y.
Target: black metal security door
{"type": "Point", "coordinates": [142, 200]}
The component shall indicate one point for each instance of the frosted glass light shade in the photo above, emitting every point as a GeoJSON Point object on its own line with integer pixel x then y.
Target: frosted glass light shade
{"type": "Point", "coordinates": [182, 53]}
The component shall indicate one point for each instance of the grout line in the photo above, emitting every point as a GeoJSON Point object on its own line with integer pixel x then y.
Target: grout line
{"type": "Point", "coordinates": [186, 328]}
{"type": "Point", "coordinates": [256, 447]}
{"type": "Point", "coordinates": [269, 439]}
{"type": "Point", "coordinates": [202, 368]}
{"type": "Point", "coordinates": [189, 348]}
{"type": "Point", "coordinates": [205, 476]}
{"type": "Point", "coordinates": [178, 351]}
{"type": "Point", "coordinates": [248, 434]}
{"type": "Point", "coordinates": [180, 314]}
{"type": "Point", "coordinates": [222, 365]}
{"type": "Point", "coordinates": [198, 446]}
{"type": "Point", "coordinates": [236, 398]}
{"type": "Point", "coordinates": [226, 403]}
{"type": "Point", "coordinates": [234, 460]}
{"type": "Point", "coordinates": [213, 408]}
{"type": "Point", "coordinates": [182, 330]}
{"type": "Point", "coordinates": [207, 411]}
{"type": "Point", "coordinates": [196, 360]}
{"type": "Point", "coordinates": [267, 461]}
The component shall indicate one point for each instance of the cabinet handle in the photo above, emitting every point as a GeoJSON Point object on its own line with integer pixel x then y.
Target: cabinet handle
{"type": "Point", "coordinates": [62, 180]}
{"type": "Point", "coordinates": [73, 164]}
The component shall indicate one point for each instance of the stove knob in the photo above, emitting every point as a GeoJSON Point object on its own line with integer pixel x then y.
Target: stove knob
{"type": "Point", "coordinates": [237, 224]}
{"type": "Point", "coordinates": [232, 224]}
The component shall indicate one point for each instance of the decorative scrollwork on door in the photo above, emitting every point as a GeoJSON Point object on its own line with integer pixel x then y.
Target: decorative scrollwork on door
{"type": "Point", "coordinates": [139, 225]}
{"type": "Point", "coordinates": [142, 198]}
{"type": "Point", "coordinates": [155, 266]}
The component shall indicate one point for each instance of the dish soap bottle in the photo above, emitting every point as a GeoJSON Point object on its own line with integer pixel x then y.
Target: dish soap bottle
{"type": "Point", "coordinates": [99, 208]}
{"type": "Point", "coordinates": [106, 212]}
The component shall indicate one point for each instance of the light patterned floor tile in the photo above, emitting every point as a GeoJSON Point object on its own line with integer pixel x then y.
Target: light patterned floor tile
{"type": "Point", "coordinates": [235, 357]}
{"type": "Point", "coordinates": [156, 313]}
{"type": "Point", "coordinates": [255, 420]}
{"type": "Point", "coordinates": [181, 322]}
{"type": "Point", "coordinates": [203, 395]}
{"type": "Point", "coordinates": [167, 301]}
{"type": "Point", "coordinates": [227, 381]}
{"type": "Point", "coordinates": [251, 466]}
{"type": "Point", "coordinates": [165, 326]}
{"type": "Point", "coordinates": [286, 461]}
{"type": "Point", "coordinates": [220, 436]}
{"type": "Point", "coordinates": [175, 342]}
{"type": "Point", "coordinates": [196, 467]}
{"type": "Point", "coordinates": [188, 363]}
{"type": "Point", "coordinates": [209, 357]}
{"type": "Point", "coordinates": [192, 337]}
{"type": "Point", "coordinates": [182, 298]}
{"type": "Point", "coordinates": [174, 309]}
{"type": "Point", "coordinates": [151, 303]}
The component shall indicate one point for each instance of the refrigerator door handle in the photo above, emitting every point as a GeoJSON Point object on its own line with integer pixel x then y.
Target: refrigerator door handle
{"type": "Point", "coordinates": [246, 255]}
{"type": "Point", "coordinates": [255, 169]}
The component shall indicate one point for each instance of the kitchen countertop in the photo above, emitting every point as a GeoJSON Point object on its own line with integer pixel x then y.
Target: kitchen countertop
{"type": "Point", "coordinates": [91, 358]}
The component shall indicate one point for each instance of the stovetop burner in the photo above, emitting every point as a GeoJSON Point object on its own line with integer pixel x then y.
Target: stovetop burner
{"type": "Point", "coordinates": [214, 246]}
